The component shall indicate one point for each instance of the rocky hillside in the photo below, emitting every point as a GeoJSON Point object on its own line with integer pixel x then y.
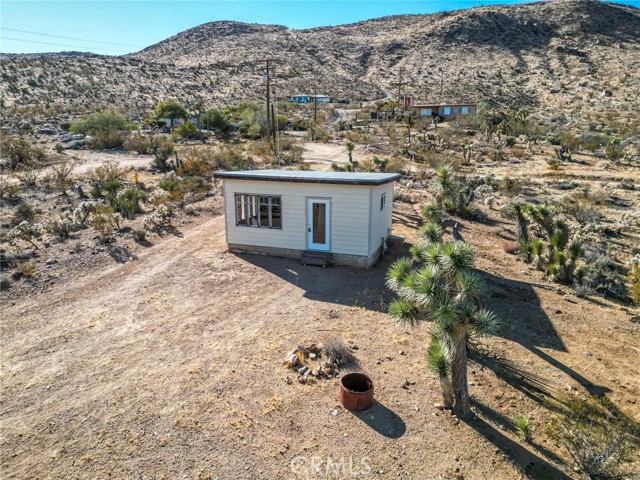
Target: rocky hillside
{"type": "Point", "coordinates": [578, 56]}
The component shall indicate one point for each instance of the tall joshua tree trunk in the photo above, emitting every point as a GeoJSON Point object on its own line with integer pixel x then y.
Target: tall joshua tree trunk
{"type": "Point", "coordinates": [459, 374]}
{"type": "Point", "coordinates": [447, 392]}
{"type": "Point", "coordinates": [522, 227]}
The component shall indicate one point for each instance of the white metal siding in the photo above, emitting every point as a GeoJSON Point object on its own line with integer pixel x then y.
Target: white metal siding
{"type": "Point", "coordinates": [380, 220]}
{"type": "Point", "coordinates": [350, 206]}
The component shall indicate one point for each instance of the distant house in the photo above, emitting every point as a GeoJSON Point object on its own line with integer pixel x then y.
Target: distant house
{"type": "Point", "coordinates": [344, 215]}
{"type": "Point", "coordinates": [445, 110]}
{"type": "Point", "coordinates": [303, 98]}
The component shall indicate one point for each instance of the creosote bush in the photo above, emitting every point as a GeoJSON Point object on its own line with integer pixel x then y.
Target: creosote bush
{"type": "Point", "coordinates": [19, 153]}
{"type": "Point", "coordinates": [598, 436]}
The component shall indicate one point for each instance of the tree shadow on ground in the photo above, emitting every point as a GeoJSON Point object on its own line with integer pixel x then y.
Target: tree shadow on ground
{"type": "Point", "coordinates": [383, 420]}
{"type": "Point", "coordinates": [527, 323]}
{"type": "Point", "coordinates": [531, 465]}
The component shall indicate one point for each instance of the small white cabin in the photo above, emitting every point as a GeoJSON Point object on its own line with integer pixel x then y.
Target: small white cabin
{"type": "Point", "coordinates": [287, 213]}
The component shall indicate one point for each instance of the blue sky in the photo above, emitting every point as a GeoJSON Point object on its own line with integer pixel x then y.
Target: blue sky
{"type": "Point", "coordinates": [118, 26]}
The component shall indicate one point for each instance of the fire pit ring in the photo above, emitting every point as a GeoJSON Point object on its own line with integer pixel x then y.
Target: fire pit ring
{"type": "Point", "coordinates": [356, 391]}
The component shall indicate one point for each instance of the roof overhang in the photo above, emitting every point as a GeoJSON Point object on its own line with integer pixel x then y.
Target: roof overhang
{"type": "Point", "coordinates": [336, 178]}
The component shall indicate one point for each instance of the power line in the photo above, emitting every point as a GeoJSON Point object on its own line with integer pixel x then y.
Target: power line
{"type": "Point", "coordinates": [62, 45]}
{"type": "Point", "coordinates": [71, 38]}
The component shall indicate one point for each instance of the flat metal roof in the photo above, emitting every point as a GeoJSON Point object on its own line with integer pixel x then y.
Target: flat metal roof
{"type": "Point", "coordinates": [345, 178]}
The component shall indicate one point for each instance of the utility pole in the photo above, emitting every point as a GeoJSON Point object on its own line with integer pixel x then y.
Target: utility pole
{"type": "Point", "coordinates": [268, 109]}
{"type": "Point", "coordinates": [315, 103]}
{"type": "Point", "coordinates": [400, 88]}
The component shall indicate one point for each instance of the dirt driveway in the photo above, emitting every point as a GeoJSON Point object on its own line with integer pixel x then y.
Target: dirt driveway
{"type": "Point", "coordinates": [169, 366]}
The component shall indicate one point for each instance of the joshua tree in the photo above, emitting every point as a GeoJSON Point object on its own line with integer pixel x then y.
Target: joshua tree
{"type": "Point", "coordinates": [446, 187]}
{"type": "Point", "coordinates": [350, 146]}
{"type": "Point", "coordinates": [437, 284]}
{"type": "Point", "coordinates": [522, 225]}
{"type": "Point", "coordinates": [467, 149]}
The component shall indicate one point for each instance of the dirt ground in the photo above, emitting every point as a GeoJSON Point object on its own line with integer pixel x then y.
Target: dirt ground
{"type": "Point", "coordinates": [169, 366]}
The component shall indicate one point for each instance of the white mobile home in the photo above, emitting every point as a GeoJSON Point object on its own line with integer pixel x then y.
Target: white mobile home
{"type": "Point", "coordinates": [288, 213]}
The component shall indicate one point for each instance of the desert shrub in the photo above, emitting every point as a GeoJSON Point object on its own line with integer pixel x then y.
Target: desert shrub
{"type": "Point", "coordinates": [396, 165]}
{"type": "Point", "coordinates": [290, 151]}
{"type": "Point", "coordinates": [190, 189]}
{"type": "Point", "coordinates": [82, 213]}
{"type": "Point", "coordinates": [104, 220]}
{"type": "Point", "coordinates": [170, 182]}
{"type": "Point", "coordinates": [28, 177]}
{"type": "Point", "coordinates": [61, 176]}
{"type": "Point", "coordinates": [27, 269]}
{"type": "Point", "coordinates": [230, 158]}
{"type": "Point", "coordinates": [139, 235]}
{"type": "Point", "coordinates": [28, 232]}
{"type": "Point", "coordinates": [60, 228]}
{"type": "Point", "coordinates": [19, 153]}
{"type": "Point", "coordinates": [108, 129]}
{"type": "Point", "coordinates": [126, 202]}
{"type": "Point", "coordinates": [592, 141]}
{"type": "Point", "coordinates": [24, 212]}
{"type": "Point", "coordinates": [511, 186]}
{"type": "Point", "coordinates": [215, 119]}
{"type": "Point", "coordinates": [139, 143]}
{"type": "Point", "coordinates": [188, 130]}
{"type": "Point", "coordinates": [597, 435]}
{"type": "Point", "coordinates": [158, 219]}
{"type": "Point", "coordinates": [510, 141]}
{"type": "Point", "coordinates": [304, 166]}
{"type": "Point", "coordinates": [196, 165]}
{"type": "Point", "coordinates": [614, 149]}
{"type": "Point", "coordinates": [162, 149]}
{"type": "Point", "coordinates": [601, 274]}
{"type": "Point", "coordinates": [5, 282]}
{"type": "Point", "coordinates": [59, 148]}
{"type": "Point", "coordinates": [109, 170]}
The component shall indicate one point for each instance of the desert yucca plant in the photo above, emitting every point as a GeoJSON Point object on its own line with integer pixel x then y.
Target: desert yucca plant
{"type": "Point", "coordinates": [446, 187]}
{"type": "Point", "coordinates": [525, 250]}
{"type": "Point", "coordinates": [431, 232]}
{"type": "Point", "coordinates": [523, 426]}
{"type": "Point", "coordinates": [432, 213]}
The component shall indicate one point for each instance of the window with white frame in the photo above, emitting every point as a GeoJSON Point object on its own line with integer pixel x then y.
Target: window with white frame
{"type": "Point", "coordinates": [264, 211]}
{"type": "Point", "coordinates": [383, 201]}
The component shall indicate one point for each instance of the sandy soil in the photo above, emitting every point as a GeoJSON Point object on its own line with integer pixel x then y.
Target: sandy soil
{"type": "Point", "coordinates": [169, 366]}
{"type": "Point", "coordinates": [89, 159]}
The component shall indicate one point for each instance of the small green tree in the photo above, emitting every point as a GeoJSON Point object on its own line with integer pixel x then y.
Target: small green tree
{"type": "Point", "coordinates": [188, 130]}
{"type": "Point", "coordinates": [215, 119]}
{"type": "Point", "coordinates": [107, 128]}
{"type": "Point", "coordinates": [171, 109]}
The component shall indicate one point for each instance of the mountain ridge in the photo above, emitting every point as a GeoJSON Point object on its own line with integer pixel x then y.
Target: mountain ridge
{"type": "Point", "coordinates": [579, 54]}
